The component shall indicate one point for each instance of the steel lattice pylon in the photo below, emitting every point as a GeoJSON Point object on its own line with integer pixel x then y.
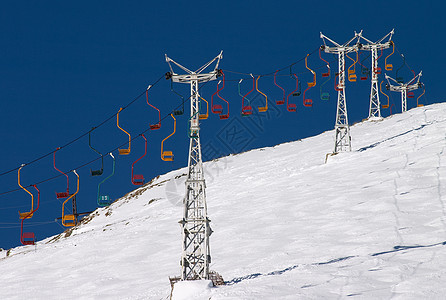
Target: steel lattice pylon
{"type": "Point", "coordinates": [195, 257]}
{"type": "Point", "coordinates": [343, 139]}
{"type": "Point", "coordinates": [374, 108]}
{"type": "Point", "coordinates": [404, 87]}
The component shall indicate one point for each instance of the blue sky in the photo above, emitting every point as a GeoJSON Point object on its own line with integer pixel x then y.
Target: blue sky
{"type": "Point", "coordinates": [67, 67]}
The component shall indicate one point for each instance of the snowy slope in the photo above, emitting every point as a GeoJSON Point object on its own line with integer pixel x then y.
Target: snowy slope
{"type": "Point", "coordinates": [369, 224]}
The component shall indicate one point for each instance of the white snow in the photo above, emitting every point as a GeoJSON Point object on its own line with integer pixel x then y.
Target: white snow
{"type": "Point", "coordinates": [369, 224]}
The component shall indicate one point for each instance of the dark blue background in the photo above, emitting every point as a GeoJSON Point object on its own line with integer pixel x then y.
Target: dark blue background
{"type": "Point", "coordinates": [67, 66]}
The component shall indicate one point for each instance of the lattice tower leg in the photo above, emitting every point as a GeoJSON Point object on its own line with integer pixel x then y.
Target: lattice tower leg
{"type": "Point", "coordinates": [73, 200]}
{"type": "Point", "coordinates": [375, 110]}
{"type": "Point", "coordinates": [343, 140]}
{"type": "Point", "coordinates": [403, 100]}
{"type": "Point", "coordinates": [195, 223]}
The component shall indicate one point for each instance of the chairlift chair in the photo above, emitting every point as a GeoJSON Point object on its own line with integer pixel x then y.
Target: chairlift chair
{"type": "Point", "coordinates": [157, 125]}
{"type": "Point", "coordinates": [168, 155]}
{"type": "Point", "coordinates": [246, 109]}
{"type": "Point", "coordinates": [308, 102]}
{"type": "Point", "coordinates": [125, 151]}
{"type": "Point", "coordinates": [221, 115]}
{"type": "Point", "coordinates": [177, 112]}
{"type": "Point", "coordinates": [388, 99]}
{"type": "Point", "coordinates": [69, 220]}
{"type": "Point", "coordinates": [206, 115]}
{"type": "Point", "coordinates": [100, 171]}
{"type": "Point", "coordinates": [389, 67]}
{"type": "Point", "coordinates": [66, 194]}
{"type": "Point", "coordinates": [261, 108]}
{"type": "Point", "coordinates": [138, 179]}
{"type": "Point", "coordinates": [292, 107]}
{"type": "Point", "coordinates": [281, 101]}
{"type": "Point", "coordinates": [28, 214]}
{"type": "Point", "coordinates": [105, 200]}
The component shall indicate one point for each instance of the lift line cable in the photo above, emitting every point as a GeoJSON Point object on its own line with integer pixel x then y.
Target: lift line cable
{"type": "Point", "coordinates": [272, 73]}
{"type": "Point", "coordinates": [82, 135]}
{"type": "Point", "coordinates": [113, 150]}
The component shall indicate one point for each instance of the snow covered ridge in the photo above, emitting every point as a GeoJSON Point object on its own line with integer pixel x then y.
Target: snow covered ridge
{"type": "Point", "coordinates": [370, 223]}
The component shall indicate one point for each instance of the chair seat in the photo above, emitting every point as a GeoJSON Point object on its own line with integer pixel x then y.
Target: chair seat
{"type": "Point", "coordinates": [155, 126]}
{"type": "Point", "coordinates": [389, 67]}
{"type": "Point", "coordinates": [224, 117]}
{"type": "Point", "coordinates": [25, 215]}
{"type": "Point", "coordinates": [203, 117]}
{"type": "Point", "coordinates": [124, 151]}
{"type": "Point", "coordinates": [280, 102]}
{"type": "Point", "coordinates": [96, 172]}
{"type": "Point", "coordinates": [62, 195]}
{"type": "Point", "coordinates": [167, 156]}
{"type": "Point", "coordinates": [28, 238]}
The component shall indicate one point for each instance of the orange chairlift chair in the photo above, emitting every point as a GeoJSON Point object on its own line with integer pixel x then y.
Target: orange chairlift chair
{"type": "Point", "coordinates": [127, 150]}
{"type": "Point", "coordinates": [352, 69]}
{"type": "Point", "coordinates": [168, 155]}
{"type": "Point", "coordinates": [29, 238]}
{"type": "Point", "coordinates": [157, 125]}
{"type": "Point", "coordinates": [138, 179]}
{"type": "Point", "coordinates": [389, 67]}
{"type": "Point", "coordinates": [281, 101]}
{"type": "Point", "coordinates": [206, 115]}
{"type": "Point", "coordinates": [292, 107]}
{"type": "Point", "coordinates": [246, 109]}
{"type": "Point", "coordinates": [261, 108]}
{"type": "Point", "coordinates": [424, 91]}
{"type": "Point", "coordinates": [62, 194]}
{"type": "Point", "coordinates": [69, 220]}
{"type": "Point", "coordinates": [388, 100]}
{"type": "Point", "coordinates": [307, 101]}
{"type": "Point", "coordinates": [28, 214]}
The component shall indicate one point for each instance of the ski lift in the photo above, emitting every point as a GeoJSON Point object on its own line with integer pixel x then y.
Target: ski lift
{"type": "Point", "coordinates": [95, 172]}
{"type": "Point", "coordinates": [28, 214]}
{"type": "Point", "coordinates": [138, 179]}
{"type": "Point", "coordinates": [222, 116]}
{"type": "Point", "coordinates": [365, 72]}
{"type": "Point", "coordinates": [282, 101]}
{"type": "Point", "coordinates": [388, 100]}
{"type": "Point", "coordinates": [378, 69]}
{"type": "Point", "coordinates": [424, 91]}
{"type": "Point", "coordinates": [69, 220]}
{"type": "Point", "coordinates": [127, 150]}
{"type": "Point", "coordinates": [62, 194]}
{"type": "Point", "coordinates": [206, 115]}
{"type": "Point", "coordinates": [104, 200]}
{"type": "Point", "coordinates": [292, 107]}
{"type": "Point", "coordinates": [336, 85]}
{"type": "Point", "coordinates": [261, 108]}
{"type": "Point", "coordinates": [157, 125]}
{"type": "Point", "coordinates": [389, 67]}
{"type": "Point", "coordinates": [327, 74]}
{"type": "Point", "coordinates": [351, 72]}
{"type": "Point", "coordinates": [246, 109]}
{"type": "Point", "coordinates": [216, 108]}
{"type": "Point", "coordinates": [400, 79]}
{"type": "Point", "coordinates": [177, 112]}
{"type": "Point", "coordinates": [28, 238]}
{"type": "Point", "coordinates": [308, 102]}
{"type": "Point", "coordinates": [168, 155]}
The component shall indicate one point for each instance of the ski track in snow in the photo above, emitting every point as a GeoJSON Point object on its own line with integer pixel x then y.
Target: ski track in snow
{"type": "Point", "coordinates": [369, 224]}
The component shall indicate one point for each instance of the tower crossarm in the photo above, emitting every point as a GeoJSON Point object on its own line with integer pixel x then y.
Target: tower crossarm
{"type": "Point", "coordinates": [186, 78]}
{"type": "Point", "coordinates": [380, 44]}
{"type": "Point", "coordinates": [337, 48]}
{"type": "Point", "coordinates": [409, 86]}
